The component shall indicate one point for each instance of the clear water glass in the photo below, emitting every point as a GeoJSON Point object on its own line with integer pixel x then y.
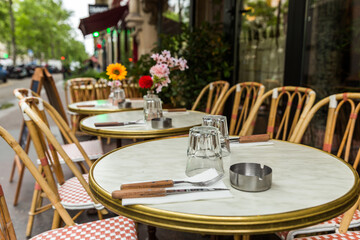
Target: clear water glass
{"type": "Point", "coordinates": [219, 122]}
{"type": "Point", "coordinates": [119, 97]}
{"type": "Point", "coordinates": [204, 151]}
{"type": "Point", "coordinates": [152, 107]}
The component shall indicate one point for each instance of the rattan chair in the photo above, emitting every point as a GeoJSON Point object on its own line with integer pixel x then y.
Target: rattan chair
{"type": "Point", "coordinates": [245, 96]}
{"type": "Point", "coordinates": [338, 138]}
{"type": "Point", "coordinates": [75, 192]}
{"type": "Point", "coordinates": [93, 148]}
{"type": "Point", "coordinates": [112, 228]}
{"type": "Point", "coordinates": [286, 106]}
{"type": "Point", "coordinates": [78, 90]}
{"type": "Point", "coordinates": [215, 92]}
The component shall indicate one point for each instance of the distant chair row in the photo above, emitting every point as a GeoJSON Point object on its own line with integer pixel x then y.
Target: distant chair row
{"type": "Point", "coordinates": [247, 100]}
{"type": "Point", "coordinates": [290, 111]}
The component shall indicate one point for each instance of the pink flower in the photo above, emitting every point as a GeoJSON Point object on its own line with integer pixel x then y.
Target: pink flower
{"type": "Point", "coordinates": [182, 64]}
{"type": "Point", "coordinates": [172, 62]}
{"type": "Point", "coordinates": [160, 70]}
{"type": "Point", "coordinates": [117, 83]}
{"type": "Point", "coordinates": [166, 54]}
{"type": "Point", "coordinates": [155, 56]}
{"type": "Point", "coordinates": [158, 88]}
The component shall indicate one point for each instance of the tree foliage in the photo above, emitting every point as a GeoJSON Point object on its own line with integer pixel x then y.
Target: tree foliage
{"type": "Point", "coordinates": [42, 26]}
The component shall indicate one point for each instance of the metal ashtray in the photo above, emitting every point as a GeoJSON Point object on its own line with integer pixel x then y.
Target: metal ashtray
{"type": "Point", "coordinates": [124, 104]}
{"type": "Point", "coordinates": [161, 123]}
{"type": "Point", "coordinates": [250, 177]}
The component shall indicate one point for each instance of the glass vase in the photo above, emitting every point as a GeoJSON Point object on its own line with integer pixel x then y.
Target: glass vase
{"type": "Point", "coordinates": [152, 106]}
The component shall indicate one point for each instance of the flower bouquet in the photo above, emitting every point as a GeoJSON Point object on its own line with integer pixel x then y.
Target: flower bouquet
{"type": "Point", "coordinates": [159, 78]}
{"type": "Point", "coordinates": [116, 72]}
{"type": "Point", "coordinates": [161, 70]}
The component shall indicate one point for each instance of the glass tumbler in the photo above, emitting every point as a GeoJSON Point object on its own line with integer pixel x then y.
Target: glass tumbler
{"type": "Point", "coordinates": [219, 122]}
{"type": "Point", "coordinates": [119, 97]}
{"type": "Point", "coordinates": [152, 107]}
{"type": "Point", "coordinates": [204, 151]}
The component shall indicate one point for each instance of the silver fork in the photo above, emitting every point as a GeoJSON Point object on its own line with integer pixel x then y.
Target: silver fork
{"type": "Point", "coordinates": [168, 183]}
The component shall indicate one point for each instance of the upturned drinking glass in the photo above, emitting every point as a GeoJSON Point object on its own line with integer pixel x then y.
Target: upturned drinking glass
{"type": "Point", "coordinates": [119, 97]}
{"type": "Point", "coordinates": [152, 106]}
{"type": "Point", "coordinates": [204, 151]}
{"type": "Point", "coordinates": [220, 123]}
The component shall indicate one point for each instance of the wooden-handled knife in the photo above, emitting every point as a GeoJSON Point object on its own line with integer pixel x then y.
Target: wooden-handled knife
{"type": "Point", "coordinates": [157, 192]}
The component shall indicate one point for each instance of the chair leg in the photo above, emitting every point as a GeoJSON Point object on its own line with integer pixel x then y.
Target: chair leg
{"type": "Point", "coordinates": [12, 171]}
{"type": "Point", "coordinates": [56, 220]}
{"type": "Point", "coordinates": [19, 184]}
{"type": "Point", "coordinates": [32, 211]}
{"type": "Point", "coordinates": [241, 237]}
{"type": "Point", "coordinates": [100, 216]}
{"type": "Point", "coordinates": [104, 211]}
{"type": "Point", "coordinates": [152, 233]}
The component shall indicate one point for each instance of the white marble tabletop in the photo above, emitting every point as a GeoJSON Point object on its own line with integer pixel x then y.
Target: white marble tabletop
{"type": "Point", "coordinates": [181, 123]}
{"type": "Point", "coordinates": [103, 106]}
{"type": "Point", "coordinates": [304, 178]}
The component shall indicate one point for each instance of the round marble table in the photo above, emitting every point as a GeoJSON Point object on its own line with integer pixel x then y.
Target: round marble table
{"type": "Point", "coordinates": [309, 186]}
{"type": "Point", "coordinates": [181, 123]}
{"type": "Point", "coordinates": [103, 106]}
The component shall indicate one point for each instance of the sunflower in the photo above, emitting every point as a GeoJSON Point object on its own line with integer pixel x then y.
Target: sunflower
{"type": "Point", "coordinates": [116, 71]}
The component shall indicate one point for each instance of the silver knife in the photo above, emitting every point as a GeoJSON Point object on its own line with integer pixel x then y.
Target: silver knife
{"type": "Point", "coordinates": [114, 124]}
{"type": "Point", "coordinates": [157, 192]}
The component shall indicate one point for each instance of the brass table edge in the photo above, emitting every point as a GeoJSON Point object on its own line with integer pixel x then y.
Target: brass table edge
{"type": "Point", "coordinates": [228, 224]}
{"type": "Point", "coordinates": [138, 133]}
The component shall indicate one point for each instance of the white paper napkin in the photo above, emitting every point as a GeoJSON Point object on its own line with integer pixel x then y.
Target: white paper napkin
{"type": "Point", "coordinates": [185, 197]}
{"type": "Point", "coordinates": [237, 144]}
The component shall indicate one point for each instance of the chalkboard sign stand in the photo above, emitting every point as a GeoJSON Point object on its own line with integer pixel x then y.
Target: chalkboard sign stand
{"type": "Point", "coordinates": [41, 77]}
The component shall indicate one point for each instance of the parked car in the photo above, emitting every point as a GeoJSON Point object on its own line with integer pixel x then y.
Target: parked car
{"type": "Point", "coordinates": [30, 68]}
{"type": "Point", "coordinates": [17, 71]}
{"type": "Point", "coordinates": [52, 69]}
{"type": "Point", "coordinates": [3, 74]}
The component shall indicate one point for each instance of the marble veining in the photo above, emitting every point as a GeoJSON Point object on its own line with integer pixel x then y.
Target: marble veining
{"type": "Point", "coordinates": [303, 177]}
{"type": "Point", "coordinates": [179, 120]}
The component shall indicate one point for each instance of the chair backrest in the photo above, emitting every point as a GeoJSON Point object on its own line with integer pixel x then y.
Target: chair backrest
{"type": "Point", "coordinates": [80, 89]}
{"type": "Point", "coordinates": [7, 231]}
{"type": "Point", "coordinates": [45, 143]}
{"type": "Point", "coordinates": [246, 94]}
{"type": "Point", "coordinates": [216, 91]}
{"type": "Point", "coordinates": [131, 88]}
{"type": "Point", "coordinates": [342, 115]}
{"type": "Point", "coordinates": [287, 106]}
{"type": "Point", "coordinates": [20, 93]}
{"type": "Point", "coordinates": [40, 179]}
{"type": "Point", "coordinates": [102, 89]}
